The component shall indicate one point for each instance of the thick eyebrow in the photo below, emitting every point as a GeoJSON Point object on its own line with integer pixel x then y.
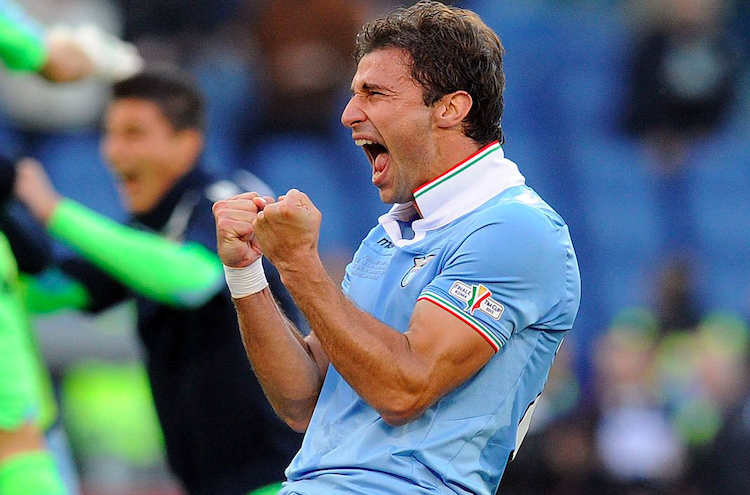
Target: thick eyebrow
{"type": "Point", "coordinates": [369, 87]}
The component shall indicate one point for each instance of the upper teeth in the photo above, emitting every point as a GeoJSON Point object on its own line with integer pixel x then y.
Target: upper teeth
{"type": "Point", "coordinates": [362, 142]}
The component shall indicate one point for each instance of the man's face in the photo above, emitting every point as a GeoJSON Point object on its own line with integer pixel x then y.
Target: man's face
{"type": "Point", "coordinates": [391, 123]}
{"type": "Point", "coordinates": [144, 151]}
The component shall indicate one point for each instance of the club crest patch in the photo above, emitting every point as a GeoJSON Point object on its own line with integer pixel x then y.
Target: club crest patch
{"type": "Point", "coordinates": [419, 263]}
{"type": "Point", "coordinates": [477, 297]}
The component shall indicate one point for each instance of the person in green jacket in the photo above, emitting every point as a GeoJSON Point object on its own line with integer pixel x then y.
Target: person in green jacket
{"type": "Point", "coordinates": [27, 410]}
{"type": "Point", "coordinates": [221, 434]}
{"type": "Point", "coordinates": [27, 467]}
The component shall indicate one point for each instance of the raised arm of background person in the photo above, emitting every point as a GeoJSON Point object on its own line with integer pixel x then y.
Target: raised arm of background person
{"type": "Point", "coordinates": [290, 367]}
{"type": "Point", "coordinates": [44, 289]}
{"type": "Point", "coordinates": [399, 375]}
{"type": "Point", "coordinates": [62, 54]}
{"type": "Point", "coordinates": [184, 275]}
{"type": "Point", "coordinates": [26, 46]}
{"type": "Point", "coordinates": [22, 45]}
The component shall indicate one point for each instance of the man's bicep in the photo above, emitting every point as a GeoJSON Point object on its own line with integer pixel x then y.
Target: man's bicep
{"type": "Point", "coordinates": [318, 354]}
{"type": "Point", "coordinates": [449, 347]}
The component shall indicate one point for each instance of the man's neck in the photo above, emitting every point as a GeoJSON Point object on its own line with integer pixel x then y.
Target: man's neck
{"type": "Point", "coordinates": [452, 151]}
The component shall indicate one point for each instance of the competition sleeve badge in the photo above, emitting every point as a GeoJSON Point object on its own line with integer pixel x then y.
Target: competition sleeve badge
{"type": "Point", "coordinates": [419, 263]}
{"type": "Point", "coordinates": [477, 297]}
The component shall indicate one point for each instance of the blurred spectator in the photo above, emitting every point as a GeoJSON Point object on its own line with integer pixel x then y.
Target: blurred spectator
{"type": "Point", "coordinates": [76, 46]}
{"type": "Point", "coordinates": [703, 375]}
{"type": "Point", "coordinates": [639, 447]}
{"type": "Point", "coordinates": [624, 361]}
{"type": "Point", "coordinates": [32, 451]}
{"type": "Point", "coordinates": [307, 51]}
{"type": "Point", "coordinates": [676, 308]}
{"type": "Point", "coordinates": [727, 470]}
{"type": "Point", "coordinates": [221, 435]}
{"type": "Point", "coordinates": [684, 76]}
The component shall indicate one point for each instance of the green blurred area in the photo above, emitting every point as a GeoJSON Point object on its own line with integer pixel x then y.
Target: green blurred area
{"type": "Point", "coordinates": [109, 413]}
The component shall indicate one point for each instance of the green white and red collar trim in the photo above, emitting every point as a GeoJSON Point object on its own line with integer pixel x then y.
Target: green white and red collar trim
{"type": "Point", "coordinates": [465, 186]}
{"type": "Point", "coordinates": [459, 190]}
{"type": "Point", "coordinates": [458, 168]}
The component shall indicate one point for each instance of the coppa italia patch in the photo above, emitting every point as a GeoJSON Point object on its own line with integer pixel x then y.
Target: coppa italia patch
{"type": "Point", "coordinates": [477, 297]}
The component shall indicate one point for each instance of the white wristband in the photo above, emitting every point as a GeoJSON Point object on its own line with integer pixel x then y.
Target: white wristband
{"type": "Point", "coordinates": [245, 281]}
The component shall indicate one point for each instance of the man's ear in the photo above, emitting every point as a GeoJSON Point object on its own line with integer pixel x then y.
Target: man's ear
{"type": "Point", "coordinates": [453, 108]}
{"type": "Point", "coordinates": [191, 143]}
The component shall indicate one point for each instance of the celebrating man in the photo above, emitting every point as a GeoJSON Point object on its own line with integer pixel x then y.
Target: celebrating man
{"type": "Point", "coordinates": [422, 375]}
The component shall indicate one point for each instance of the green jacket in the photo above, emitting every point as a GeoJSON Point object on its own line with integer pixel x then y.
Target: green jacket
{"type": "Point", "coordinates": [25, 389]}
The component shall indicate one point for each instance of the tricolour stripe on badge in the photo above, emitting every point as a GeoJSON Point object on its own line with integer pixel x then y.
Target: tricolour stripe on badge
{"type": "Point", "coordinates": [477, 325]}
{"type": "Point", "coordinates": [457, 169]}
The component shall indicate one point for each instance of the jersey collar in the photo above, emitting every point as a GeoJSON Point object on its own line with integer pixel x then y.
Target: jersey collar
{"type": "Point", "coordinates": [459, 190]}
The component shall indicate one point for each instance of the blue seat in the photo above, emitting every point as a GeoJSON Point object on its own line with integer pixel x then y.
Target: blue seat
{"type": "Point", "coordinates": [78, 171]}
{"type": "Point", "coordinates": [621, 218]}
{"type": "Point", "coordinates": [530, 36]}
{"type": "Point", "coordinates": [718, 185]}
{"type": "Point", "coordinates": [317, 167]}
{"type": "Point", "coordinates": [596, 52]}
{"type": "Point", "coordinates": [231, 106]}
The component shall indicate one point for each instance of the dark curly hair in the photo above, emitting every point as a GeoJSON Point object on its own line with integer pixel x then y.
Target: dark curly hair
{"type": "Point", "coordinates": [451, 49]}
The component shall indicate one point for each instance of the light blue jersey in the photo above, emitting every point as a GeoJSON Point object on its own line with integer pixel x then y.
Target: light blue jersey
{"type": "Point", "coordinates": [489, 251]}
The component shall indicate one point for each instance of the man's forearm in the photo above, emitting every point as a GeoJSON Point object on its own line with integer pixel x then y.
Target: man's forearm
{"type": "Point", "coordinates": [373, 358]}
{"type": "Point", "coordinates": [282, 360]}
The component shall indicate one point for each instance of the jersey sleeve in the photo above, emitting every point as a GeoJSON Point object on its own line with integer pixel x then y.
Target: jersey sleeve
{"type": "Point", "coordinates": [504, 277]}
{"type": "Point", "coordinates": [179, 274]}
{"type": "Point", "coordinates": [22, 44]}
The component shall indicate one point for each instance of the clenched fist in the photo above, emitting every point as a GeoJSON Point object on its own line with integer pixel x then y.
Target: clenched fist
{"type": "Point", "coordinates": [235, 233]}
{"type": "Point", "coordinates": [287, 231]}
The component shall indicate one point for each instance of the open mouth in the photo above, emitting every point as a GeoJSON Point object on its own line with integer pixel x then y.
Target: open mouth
{"type": "Point", "coordinates": [378, 156]}
{"type": "Point", "coordinates": [128, 180]}
{"type": "Point", "coordinates": [127, 176]}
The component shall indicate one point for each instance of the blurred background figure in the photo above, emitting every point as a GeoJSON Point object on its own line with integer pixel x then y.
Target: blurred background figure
{"type": "Point", "coordinates": [685, 75]}
{"type": "Point", "coordinates": [305, 61]}
{"type": "Point", "coordinates": [33, 450]}
{"type": "Point", "coordinates": [640, 449]}
{"type": "Point", "coordinates": [34, 455]}
{"type": "Point", "coordinates": [63, 42]}
{"type": "Point", "coordinates": [221, 435]}
{"type": "Point", "coordinates": [63, 53]}
{"type": "Point", "coordinates": [631, 116]}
